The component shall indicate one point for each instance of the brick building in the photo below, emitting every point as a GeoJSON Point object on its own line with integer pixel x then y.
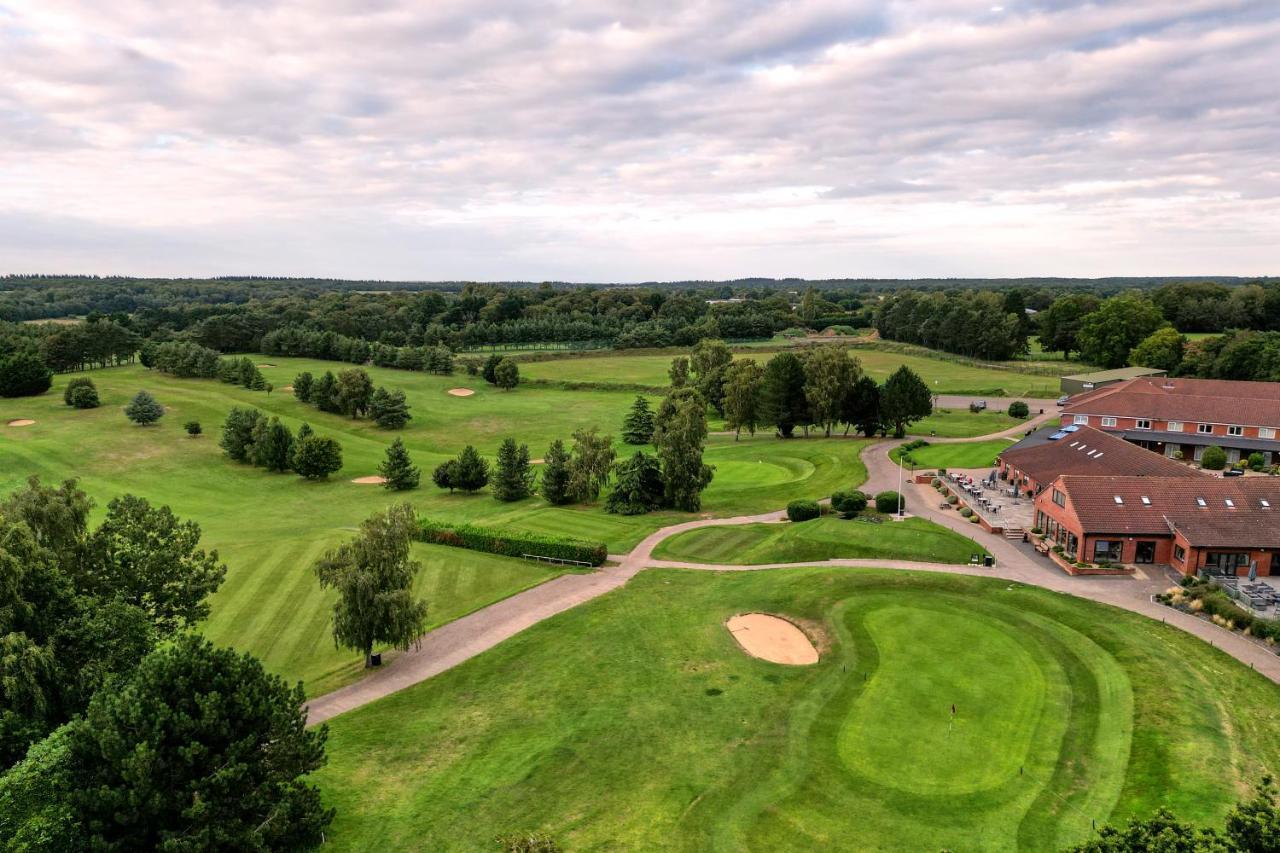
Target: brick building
{"type": "Point", "coordinates": [1190, 523]}
{"type": "Point", "coordinates": [1045, 455]}
{"type": "Point", "coordinates": [1184, 416]}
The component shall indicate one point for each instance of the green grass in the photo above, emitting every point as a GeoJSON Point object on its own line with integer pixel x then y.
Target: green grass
{"type": "Point", "coordinates": [269, 528]}
{"type": "Point", "coordinates": [827, 538]}
{"type": "Point", "coordinates": [942, 377]}
{"type": "Point", "coordinates": [961, 423]}
{"type": "Point", "coordinates": [970, 454]}
{"type": "Point", "coordinates": [636, 722]}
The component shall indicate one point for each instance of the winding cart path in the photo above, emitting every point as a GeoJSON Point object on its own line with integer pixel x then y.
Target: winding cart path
{"type": "Point", "coordinates": [464, 638]}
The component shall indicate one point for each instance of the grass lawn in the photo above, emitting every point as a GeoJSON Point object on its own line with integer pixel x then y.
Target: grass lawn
{"type": "Point", "coordinates": [974, 454]}
{"type": "Point", "coordinates": [943, 377]}
{"type": "Point", "coordinates": [269, 528]}
{"type": "Point", "coordinates": [636, 722]}
{"type": "Point", "coordinates": [826, 538]}
{"type": "Point", "coordinates": [961, 423]}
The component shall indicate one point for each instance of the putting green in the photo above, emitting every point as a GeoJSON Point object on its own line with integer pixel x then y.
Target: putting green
{"type": "Point", "coordinates": [636, 722]}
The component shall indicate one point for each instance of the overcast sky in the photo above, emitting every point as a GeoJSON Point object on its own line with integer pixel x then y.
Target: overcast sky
{"type": "Point", "coordinates": [632, 140]}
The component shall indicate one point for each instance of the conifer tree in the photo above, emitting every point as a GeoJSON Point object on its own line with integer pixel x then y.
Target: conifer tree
{"type": "Point", "coordinates": [639, 487]}
{"type": "Point", "coordinates": [555, 474]}
{"type": "Point", "coordinates": [388, 409]}
{"type": "Point", "coordinates": [397, 469]}
{"type": "Point", "coordinates": [513, 479]}
{"type": "Point", "coordinates": [302, 386]}
{"type": "Point", "coordinates": [638, 426]}
{"type": "Point", "coordinates": [143, 410]}
{"type": "Point", "coordinates": [471, 472]}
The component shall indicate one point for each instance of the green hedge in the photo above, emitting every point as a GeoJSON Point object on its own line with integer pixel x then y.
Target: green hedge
{"type": "Point", "coordinates": [803, 510]}
{"type": "Point", "coordinates": [512, 543]}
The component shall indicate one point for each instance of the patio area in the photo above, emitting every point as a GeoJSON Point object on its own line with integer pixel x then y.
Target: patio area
{"type": "Point", "coordinates": [992, 499]}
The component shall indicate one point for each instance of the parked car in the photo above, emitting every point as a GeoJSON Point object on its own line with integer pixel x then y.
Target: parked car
{"type": "Point", "coordinates": [1233, 472]}
{"type": "Point", "coordinates": [1062, 401]}
{"type": "Point", "coordinates": [979, 405]}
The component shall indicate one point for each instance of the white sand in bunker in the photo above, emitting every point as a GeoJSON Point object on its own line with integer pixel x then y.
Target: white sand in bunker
{"type": "Point", "coordinates": [288, 388]}
{"type": "Point", "coordinates": [264, 364]}
{"type": "Point", "coordinates": [21, 422]}
{"type": "Point", "coordinates": [536, 461]}
{"type": "Point", "coordinates": [772, 638]}
{"type": "Point", "coordinates": [369, 481]}
{"type": "Point", "coordinates": [461, 392]}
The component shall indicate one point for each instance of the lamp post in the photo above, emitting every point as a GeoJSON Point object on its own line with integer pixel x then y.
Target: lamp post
{"type": "Point", "coordinates": [899, 484]}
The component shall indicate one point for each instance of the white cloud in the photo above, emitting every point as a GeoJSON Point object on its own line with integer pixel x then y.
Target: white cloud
{"type": "Point", "coordinates": [633, 141]}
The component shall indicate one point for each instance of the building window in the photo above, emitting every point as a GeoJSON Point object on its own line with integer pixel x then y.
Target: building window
{"type": "Point", "coordinates": [1227, 563]}
{"type": "Point", "coordinates": [1235, 430]}
{"type": "Point", "coordinates": [1204, 429]}
{"type": "Point", "coordinates": [1108, 421]}
{"type": "Point", "coordinates": [1175, 426]}
{"type": "Point", "coordinates": [1143, 423]}
{"type": "Point", "coordinates": [1266, 432]}
{"type": "Point", "coordinates": [1179, 553]}
{"type": "Point", "coordinates": [1059, 498]}
{"type": "Point", "coordinates": [1107, 549]}
{"type": "Point", "coordinates": [1081, 419]}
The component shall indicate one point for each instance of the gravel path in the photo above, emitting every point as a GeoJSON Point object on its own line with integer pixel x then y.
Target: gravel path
{"type": "Point", "coordinates": [462, 639]}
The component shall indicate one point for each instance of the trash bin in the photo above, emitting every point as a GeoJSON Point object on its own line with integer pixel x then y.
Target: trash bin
{"type": "Point", "coordinates": [988, 561]}
{"type": "Point", "coordinates": [375, 660]}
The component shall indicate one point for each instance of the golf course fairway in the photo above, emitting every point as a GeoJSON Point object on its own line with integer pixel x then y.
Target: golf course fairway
{"type": "Point", "coordinates": [637, 722]}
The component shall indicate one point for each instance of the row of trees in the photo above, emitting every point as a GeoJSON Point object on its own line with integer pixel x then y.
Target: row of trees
{"type": "Point", "coordinates": [251, 437]}
{"type": "Point", "coordinates": [351, 393]}
{"type": "Point", "coordinates": [979, 324]}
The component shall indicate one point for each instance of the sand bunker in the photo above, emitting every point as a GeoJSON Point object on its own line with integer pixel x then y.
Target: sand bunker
{"type": "Point", "coordinates": [536, 461]}
{"type": "Point", "coordinates": [21, 422]}
{"type": "Point", "coordinates": [369, 481]}
{"type": "Point", "coordinates": [772, 638]}
{"type": "Point", "coordinates": [266, 365]}
{"type": "Point", "coordinates": [461, 392]}
{"type": "Point", "coordinates": [288, 389]}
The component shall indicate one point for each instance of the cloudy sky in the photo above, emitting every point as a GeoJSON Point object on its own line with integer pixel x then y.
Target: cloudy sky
{"type": "Point", "coordinates": [622, 141]}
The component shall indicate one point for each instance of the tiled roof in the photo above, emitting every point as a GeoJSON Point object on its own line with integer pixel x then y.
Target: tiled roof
{"type": "Point", "coordinates": [1218, 401]}
{"type": "Point", "coordinates": [1088, 451]}
{"type": "Point", "coordinates": [1234, 511]}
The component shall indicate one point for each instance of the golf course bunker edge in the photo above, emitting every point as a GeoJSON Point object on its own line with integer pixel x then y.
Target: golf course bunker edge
{"type": "Point", "coordinates": [772, 638]}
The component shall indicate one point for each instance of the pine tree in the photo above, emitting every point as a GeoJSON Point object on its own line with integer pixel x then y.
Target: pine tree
{"type": "Point", "coordinates": [489, 371]}
{"type": "Point", "coordinates": [471, 472]}
{"type": "Point", "coordinates": [513, 479]}
{"type": "Point", "coordinates": [904, 399]}
{"type": "Point", "coordinates": [639, 487]}
{"type": "Point", "coordinates": [555, 474]}
{"type": "Point", "coordinates": [143, 409]}
{"type": "Point", "coordinates": [388, 409]}
{"type": "Point", "coordinates": [302, 386]}
{"type": "Point", "coordinates": [322, 392]}
{"type": "Point", "coordinates": [397, 469]}
{"type": "Point", "coordinates": [237, 433]}
{"type": "Point", "coordinates": [273, 445]}
{"type": "Point", "coordinates": [445, 476]}
{"type": "Point", "coordinates": [782, 400]}
{"type": "Point", "coordinates": [638, 426]}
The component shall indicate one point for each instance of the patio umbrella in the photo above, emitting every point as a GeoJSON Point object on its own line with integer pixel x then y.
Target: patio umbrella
{"type": "Point", "coordinates": [1253, 570]}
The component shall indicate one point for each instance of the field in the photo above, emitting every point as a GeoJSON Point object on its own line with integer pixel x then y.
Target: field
{"type": "Point", "coordinates": [826, 538]}
{"type": "Point", "coordinates": [943, 377]}
{"type": "Point", "coordinates": [635, 722]}
{"type": "Point", "coordinates": [975, 454]}
{"type": "Point", "coordinates": [269, 528]}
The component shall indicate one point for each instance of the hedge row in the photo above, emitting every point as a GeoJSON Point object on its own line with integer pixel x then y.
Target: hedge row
{"type": "Point", "coordinates": [512, 543]}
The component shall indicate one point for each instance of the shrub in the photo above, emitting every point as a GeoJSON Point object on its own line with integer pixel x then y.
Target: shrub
{"type": "Point", "coordinates": [953, 500]}
{"type": "Point", "coordinates": [966, 512]}
{"type": "Point", "coordinates": [80, 393]}
{"type": "Point", "coordinates": [849, 503]}
{"type": "Point", "coordinates": [512, 543]}
{"type": "Point", "coordinates": [936, 483]}
{"type": "Point", "coordinates": [1257, 461]}
{"type": "Point", "coordinates": [1019, 409]}
{"type": "Point", "coordinates": [1057, 549]}
{"type": "Point", "coordinates": [1037, 531]}
{"type": "Point", "coordinates": [24, 375]}
{"type": "Point", "coordinates": [803, 510]}
{"type": "Point", "coordinates": [973, 519]}
{"type": "Point", "coordinates": [1214, 458]}
{"type": "Point", "coordinates": [888, 501]}
{"type": "Point", "coordinates": [193, 428]}
{"type": "Point", "coordinates": [1179, 455]}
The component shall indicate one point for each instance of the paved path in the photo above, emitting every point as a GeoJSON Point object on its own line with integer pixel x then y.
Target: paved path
{"type": "Point", "coordinates": [458, 641]}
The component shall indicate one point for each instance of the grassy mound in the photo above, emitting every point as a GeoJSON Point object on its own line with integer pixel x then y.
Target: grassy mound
{"type": "Point", "coordinates": [822, 539]}
{"type": "Point", "coordinates": [636, 722]}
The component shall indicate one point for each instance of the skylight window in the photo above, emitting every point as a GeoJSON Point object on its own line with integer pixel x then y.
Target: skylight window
{"type": "Point", "coordinates": [1119, 500]}
{"type": "Point", "coordinates": [1201, 502]}
{"type": "Point", "coordinates": [1146, 501]}
{"type": "Point", "coordinates": [1230, 503]}
{"type": "Point", "coordinates": [1266, 504]}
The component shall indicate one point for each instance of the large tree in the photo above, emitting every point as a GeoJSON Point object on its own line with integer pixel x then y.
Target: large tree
{"type": "Point", "coordinates": [513, 477]}
{"type": "Point", "coordinates": [590, 463]}
{"type": "Point", "coordinates": [904, 399]}
{"type": "Point", "coordinates": [145, 556]}
{"type": "Point", "coordinates": [1162, 350]}
{"type": "Point", "coordinates": [638, 486]}
{"type": "Point", "coordinates": [471, 470]}
{"type": "Point", "coordinates": [316, 458]}
{"type": "Point", "coordinates": [238, 431]}
{"type": "Point", "coordinates": [1121, 323]}
{"type": "Point", "coordinates": [829, 375]}
{"type": "Point", "coordinates": [506, 375]}
{"type": "Point", "coordinates": [374, 579]}
{"type": "Point", "coordinates": [353, 392]}
{"type": "Point", "coordinates": [199, 749]}
{"type": "Point", "coordinates": [397, 469]}
{"type": "Point", "coordinates": [1059, 324]}
{"type": "Point", "coordinates": [679, 434]}
{"type": "Point", "coordinates": [862, 407]}
{"type": "Point", "coordinates": [24, 375]}
{"type": "Point", "coordinates": [388, 409]}
{"type": "Point", "coordinates": [782, 400]}
{"type": "Point", "coordinates": [679, 371]}
{"type": "Point", "coordinates": [273, 445]}
{"type": "Point", "coordinates": [742, 384]}
{"type": "Point", "coordinates": [707, 364]}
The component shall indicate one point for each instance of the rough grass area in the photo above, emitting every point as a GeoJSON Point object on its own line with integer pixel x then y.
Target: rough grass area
{"type": "Point", "coordinates": [975, 454]}
{"type": "Point", "coordinates": [942, 377]}
{"type": "Point", "coordinates": [270, 527]}
{"type": "Point", "coordinates": [636, 722]}
{"type": "Point", "coordinates": [827, 538]}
